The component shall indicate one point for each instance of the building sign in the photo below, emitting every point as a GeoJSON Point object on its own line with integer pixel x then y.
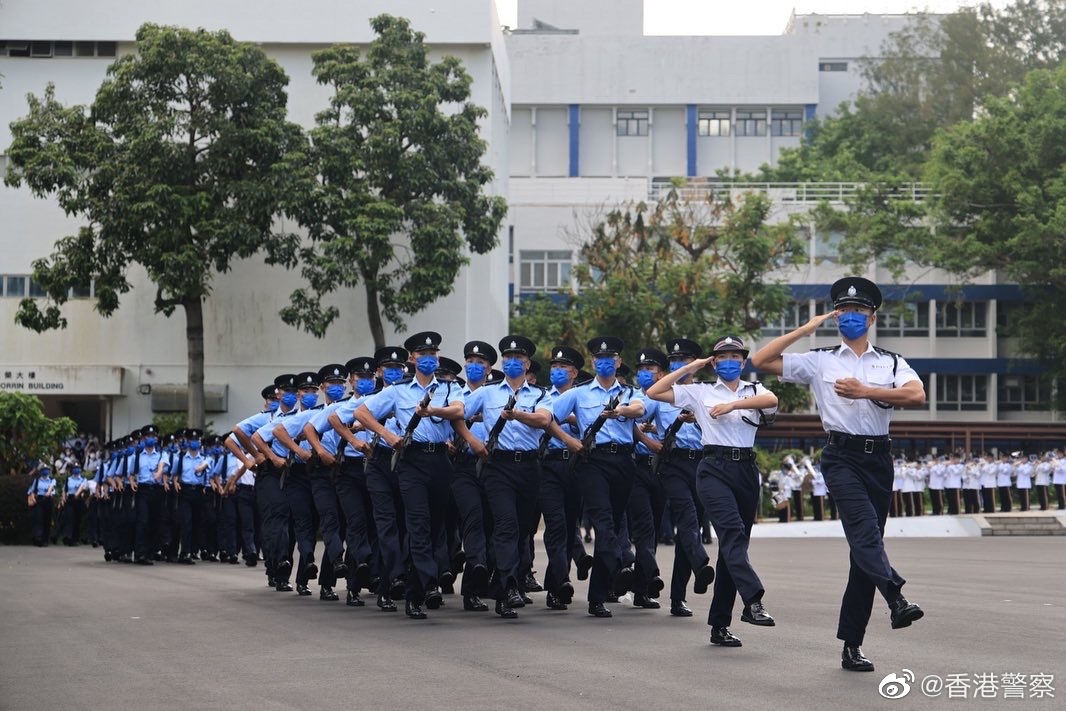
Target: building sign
{"type": "Point", "coordinates": [61, 379]}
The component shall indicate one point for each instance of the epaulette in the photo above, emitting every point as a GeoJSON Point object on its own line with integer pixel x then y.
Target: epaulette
{"type": "Point", "coordinates": [826, 348]}
{"type": "Point", "coordinates": [884, 351]}
{"type": "Point", "coordinates": [583, 383]}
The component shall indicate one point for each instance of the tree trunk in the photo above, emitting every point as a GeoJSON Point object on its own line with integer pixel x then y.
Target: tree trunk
{"type": "Point", "coordinates": [194, 335]}
{"type": "Point", "coordinates": [373, 313]}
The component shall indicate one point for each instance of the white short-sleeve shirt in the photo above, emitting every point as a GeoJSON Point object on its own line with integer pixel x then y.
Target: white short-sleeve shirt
{"type": "Point", "coordinates": [729, 430]}
{"type": "Point", "coordinates": [821, 368]}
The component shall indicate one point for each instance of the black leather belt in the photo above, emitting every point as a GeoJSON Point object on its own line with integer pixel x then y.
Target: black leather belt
{"type": "Point", "coordinates": [465, 458]}
{"type": "Point", "coordinates": [557, 455]}
{"type": "Point", "coordinates": [349, 459]}
{"type": "Point", "coordinates": [645, 460]}
{"type": "Point", "coordinates": [613, 448]}
{"type": "Point", "coordinates": [427, 447]}
{"type": "Point", "coordinates": [515, 455]}
{"type": "Point", "coordinates": [860, 443]}
{"type": "Point", "coordinates": [735, 454]}
{"type": "Point", "coordinates": [679, 453]}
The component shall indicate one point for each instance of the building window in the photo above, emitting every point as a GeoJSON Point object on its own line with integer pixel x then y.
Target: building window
{"type": "Point", "coordinates": [967, 319]}
{"type": "Point", "coordinates": [14, 286]}
{"type": "Point", "coordinates": [45, 49]}
{"type": "Point", "coordinates": [544, 271]}
{"type": "Point", "coordinates": [795, 315]}
{"type": "Point", "coordinates": [36, 290]}
{"type": "Point", "coordinates": [82, 292]}
{"type": "Point", "coordinates": [633, 122]}
{"type": "Point", "coordinates": [832, 66]}
{"type": "Point", "coordinates": [713, 123]}
{"type": "Point", "coordinates": [962, 392]}
{"type": "Point", "coordinates": [903, 319]}
{"type": "Point", "coordinates": [751, 123]}
{"type": "Point", "coordinates": [827, 245]}
{"type": "Point", "coordinates": [786, 122]}
{"type": "Point", "coordinates": [1022, 393]}
{"type": "Point", "coordinates": [925, 386]}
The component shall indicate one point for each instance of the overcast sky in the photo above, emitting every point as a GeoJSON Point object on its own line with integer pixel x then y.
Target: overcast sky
{"type": "Point", "coordinates": [758, 17]}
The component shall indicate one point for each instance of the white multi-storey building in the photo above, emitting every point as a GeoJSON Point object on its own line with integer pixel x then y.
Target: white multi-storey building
{"type": "Point", "coordinates": [585, 111]}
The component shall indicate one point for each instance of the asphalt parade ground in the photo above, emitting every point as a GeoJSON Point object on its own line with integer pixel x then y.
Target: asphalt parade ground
{"type": "Point", "coordinates": [79, 633]}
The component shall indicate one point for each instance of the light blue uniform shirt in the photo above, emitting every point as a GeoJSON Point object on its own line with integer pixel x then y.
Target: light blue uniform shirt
{"type": "Point", "coordinates": [225, 467]}
{"type": "Point", "coordinates": [489, 401]}
{"type": "Point", "coordinates": [588, 401]}
{"type": "Point", "coordinates": [555, 442]}
{"type": "Point", "coordinates": [401, 399]}
{"type": "Point", "coordinates": [40, 485]}
{"type": "Point", "coordinates": [74, 483]}
{"type": "Point", "coordinates": [663, 415]}
{"type": "Point", "coordinates": [266, 432]}
{"type": "Point", "coordinates": [146, 463]}
{"type": "Point", "coordinates": [345, 410]}
{"type": "Point", "coordinates": [189, 475]}
{"type": "Point", "coordinates": [294, 425]}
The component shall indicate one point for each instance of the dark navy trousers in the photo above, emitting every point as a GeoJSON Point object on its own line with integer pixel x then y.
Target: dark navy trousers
{"type": "Point", "coordinates": [861, 484]}
{"type": "Point", "coordinates": [606, 480]}
{"type": "Point", "coordinates": [424, 478]}
{"type": "Point", "coordinates": [679, 484]}
{"type": "Point", "coordinates": [384, 489]}
{"type": "Point", "coordinates": [730, 493]}
{"type": "Point", "coordinates": [359, 535]}
{"type": "Point", "coordinates": [511, 488]}
{"type": "Point", "coordinates": [560, 502]}
{"type": "Point", "coordinates": [468, 493]}
{"type": "Point", "coordinates": [644, 513]}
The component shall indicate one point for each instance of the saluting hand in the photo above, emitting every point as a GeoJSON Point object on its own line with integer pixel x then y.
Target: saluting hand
{"type": "Point", "coordinates": [815, 323]}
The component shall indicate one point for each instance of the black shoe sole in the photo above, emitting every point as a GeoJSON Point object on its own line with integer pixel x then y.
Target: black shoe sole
{"type": "Point", "coordinates": [757, 623]}
{"type": "Point", "coordinates": [566, 593]}
{"type": "Point", "coordinates": [704, 578]}
{"type": "Point", "coordinates": [844, 665]}
{"type": "Point", "coordinates": [583, 567]}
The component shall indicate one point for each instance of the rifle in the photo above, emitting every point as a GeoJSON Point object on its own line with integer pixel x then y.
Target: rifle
{"type": "Point", "coordinates": [588, 439]}
{"type": "Point", "coordinates": [374, 444]}
{"type": "Point", "coordinates": [494, 435]}
{"type": "Point", "coordinates": [408, 433]}
{"type": "Point", "coordinates": [285, 471]}
{"type": "Point", "coordinates": [542, 448]}
{"type": "Point", "coordinates": [668, 443]}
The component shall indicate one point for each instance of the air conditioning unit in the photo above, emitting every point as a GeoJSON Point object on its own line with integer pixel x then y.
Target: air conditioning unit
{"type": "Point", "coordinates": [168, 397]}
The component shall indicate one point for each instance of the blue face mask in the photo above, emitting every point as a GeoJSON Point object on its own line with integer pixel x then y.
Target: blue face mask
{"type": "Point", "coordinates": [364, 386]}
{"type": "Point", "coordinates": [729, 370]}
{"type": "Point", "coordinates": [559, 377]}
{"type": "Point", "coordinates": [475, 372]}
{"type": "Point", "coordinates": [289, 400]}
{"type": "Point", "coordinates": [172, 448]}
{"type": "Point", "coordinates": [645, 378]}
{"type": "Point", "coordinates": [335, 392]}
{"type": "Point", "coordinates": [513, 368]}
{"type": "Point", "coordinates": [273, 405]}
{"type": "Point", "coordinates": [309, 400]}
{"type": "Point", "coordinates": [130, 450]}
{"type": "Point", "coordinates": [427, 364]}
{"type": "Point", "coordinates": [76, 471]}
{"type": "Point", "coordinates": [194, 444]}
{"type": "Point", "coordinates": [852, 325]}
{"type": "Point", "coordinates": [392, 375]}
{"type": "Point", "coordinates": [140, 446]}
{"type": "Point", "coordinates": [150, 441]}
{"type": "Point", "coordinates": [677, 365]}
{"type": "Point", "coordinates": [605, 367]}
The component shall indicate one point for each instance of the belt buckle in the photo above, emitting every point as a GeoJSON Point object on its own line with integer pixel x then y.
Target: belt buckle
{"type": "Point", "coordinates": [868, 446]}
{"type": "Point", "coordinates": [613, 448]}
{"type": "Point", "coordinates": [692, 454]}
{"type": "Point", "coordinates": [430, 447]}
{"type": "Point", "coordinates": [518, 456]}
{"type": "Point", "coordinates": [735, 454]}
{"type": "Point", "coordinates": [566, 454]}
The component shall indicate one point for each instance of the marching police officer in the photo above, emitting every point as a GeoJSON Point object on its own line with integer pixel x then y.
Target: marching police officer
{"type": "Point", "coordinates": [147, 484]}
{"type": "Point", "coordinates": [423, 469]}
{"type": "Point", "coordinates": [560, 495]}
{"type": "Point", "coordinates": [607, 472]}
{"type": "Point", "coordinates": [515, 412]}
{"type": "Point", "coordinates": [190, 488]}
{"type": "Point", "coordinates": [39, 499]}
{"type": "Point", "coordinates": [729, 412]}
{"type": "Point", "coordinates": [855, 386]}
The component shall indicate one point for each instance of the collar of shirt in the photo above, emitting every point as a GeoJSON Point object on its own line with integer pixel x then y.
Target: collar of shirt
{"type": "Point", "coordinates": [844, 349]}
{"type": "Point", "coordinates": [415, 384]}
{"type": "Point", "coordinates": [596, 384]}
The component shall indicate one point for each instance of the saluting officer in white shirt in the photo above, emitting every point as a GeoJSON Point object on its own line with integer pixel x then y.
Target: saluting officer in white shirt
{"type": "Point", "coordinates": [855, 386]}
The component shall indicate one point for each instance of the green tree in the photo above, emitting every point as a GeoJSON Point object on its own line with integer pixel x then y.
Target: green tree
{"type": "Point", "coordinates": [1000, 204]}
{"type": "Point", "coordinates": [27, 434]}
{"type": "Point", "coordinates": [647, 273]}
{"type": "Point", "coordinates": [176, 167]}
{"type": "Point", "coordinates": [393, 181]}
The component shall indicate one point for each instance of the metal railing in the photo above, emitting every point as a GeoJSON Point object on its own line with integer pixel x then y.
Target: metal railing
{"type": "Point", "coordinates": [779, 192]}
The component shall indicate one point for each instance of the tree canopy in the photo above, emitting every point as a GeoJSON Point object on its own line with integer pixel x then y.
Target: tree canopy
{"type": "Point", "coordinates": [27, 434]}
{"type": "Point", "coordinates": [176, 167]}
{"type": "Point", "coordinates": [393, 187]}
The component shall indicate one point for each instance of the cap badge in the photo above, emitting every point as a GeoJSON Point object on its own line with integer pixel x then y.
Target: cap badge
{"type": "Point", "coordinates": [514, 345]}
{"type": "Point", "coordinates": [728, 341]}
{"type": "Point", "coordinates": [475, 349]}
{"type": "Point", "coordinates": [851, 291]}
{"type": "Point", "coordinates": [642, 356]}
{"type": "Point", "coordinates": [603, 345]}
{"type": "Point", "coordinates": [677, 347]}
{"type": "Point", "coordinates": [429, 341]}
{"type": "Point", "coordinates": [559, 354]}
{"type": "Point", "coordinates": [394, 354]}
